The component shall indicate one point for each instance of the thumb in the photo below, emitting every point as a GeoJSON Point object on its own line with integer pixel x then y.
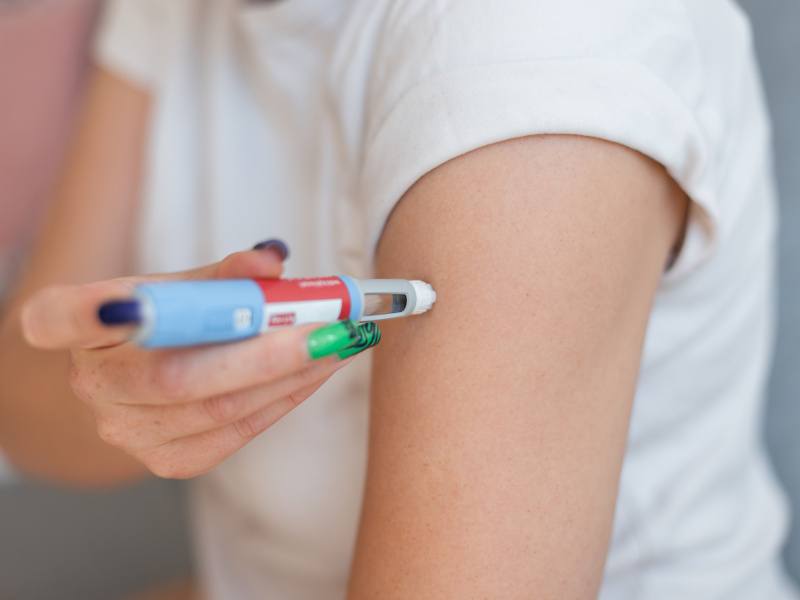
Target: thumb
{"type": "Point", "coordinates": [66, 316]}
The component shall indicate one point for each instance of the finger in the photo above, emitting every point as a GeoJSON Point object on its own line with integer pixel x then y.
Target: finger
{"type": "Point", "coordinates": [67, 316]}
{"type": "Point", "coordinates": [194, 455]}
{"type": "Point", "coordinates": [239, 265]}
{"type": "Point", "coordinates": [197, 373]}
{"type": "Point", "coordinates": [264, 260]}
{"type": "Point", "coordinates": [265, 263]}
{"type": "Point", "coordinates": [143, 426]}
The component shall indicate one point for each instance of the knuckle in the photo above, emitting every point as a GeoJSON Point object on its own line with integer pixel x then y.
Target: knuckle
{"type": "Point", "coordinates": [162, 470]}
{"type": "Point", "coordinates": [296, 398]}
{"type": "Point", "coordinates": [249, 427]}
{"type": "Point", "coordinates": [75, 375]}
{"type": "Point", "coordinates": [264, 355]}
{"type": "Point", "coordinates": [307, 376]}
{"type": "Point", "coordinates": [264, 351]}
{"type": "Point", "coordinates": [110, 431]}
{"type": "Point", "coordinates": [167, 469]}
{"type": "Point", "coordinates": [220, 409]}
{"type": "Point", "coordinates": [170, 379]}
{"type": "Point", "coordinates": [79, 381]}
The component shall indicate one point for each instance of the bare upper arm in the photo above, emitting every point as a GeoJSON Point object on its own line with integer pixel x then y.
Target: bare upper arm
{"type": "Point", "coordinates": [499, 419]}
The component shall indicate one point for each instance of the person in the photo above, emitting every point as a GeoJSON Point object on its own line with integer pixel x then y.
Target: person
{"type": "Point", "coordinates": [588, 188]}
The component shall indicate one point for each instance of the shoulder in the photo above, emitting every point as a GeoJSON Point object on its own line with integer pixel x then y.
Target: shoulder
{"type": "Point", "coordinates": [451, 76]}
{"type": "Point", "coordinates": [670, 40]}
{"type": "Point", "coordinates": [525, 29]}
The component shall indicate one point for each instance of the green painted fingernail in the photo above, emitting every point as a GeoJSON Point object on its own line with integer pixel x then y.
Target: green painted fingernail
{"type": "Point", "coordinates": [369, 335]}
{"type": "Point", "coordinates": [333, 338]}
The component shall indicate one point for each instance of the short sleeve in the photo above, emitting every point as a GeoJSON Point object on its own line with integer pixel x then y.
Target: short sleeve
{"type": "Point", "coordinates": [469, 73]}
{"type": "Point", "coordinates": [129, 39]}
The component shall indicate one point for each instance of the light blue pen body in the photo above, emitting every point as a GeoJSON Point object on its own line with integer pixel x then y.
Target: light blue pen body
{"type": "Point", "coordinates": [190, 313]}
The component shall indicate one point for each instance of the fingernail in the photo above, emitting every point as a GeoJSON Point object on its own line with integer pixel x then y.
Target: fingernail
{"type": "Point", "coordinates": [333, 338]}
{"type": "Point", "coordinates": [276, 245]}
{"type": "Point", "coordinates": [369, 335]}
{"type": "Point", "coordinates": [120, 312]}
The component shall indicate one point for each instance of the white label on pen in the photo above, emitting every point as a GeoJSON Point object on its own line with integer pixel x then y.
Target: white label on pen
{"type": "Point", "coordinates": [283, 314]}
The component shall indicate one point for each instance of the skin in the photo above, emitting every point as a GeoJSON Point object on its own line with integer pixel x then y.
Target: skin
{"type": "Point", "coordinates": [84, 406]}
{"type": "Point", "coordinates": [496, 442]}
{"type": "Point", "coordinates": [179, 412]}
{"type": "Point", "coordinates": [44, 429]}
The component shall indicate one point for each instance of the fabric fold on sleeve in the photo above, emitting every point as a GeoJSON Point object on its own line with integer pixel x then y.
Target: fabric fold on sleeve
{"type": "Point", "coordinates": [619, 101]}
{"type": "Point", "coordinates": [128, 40]}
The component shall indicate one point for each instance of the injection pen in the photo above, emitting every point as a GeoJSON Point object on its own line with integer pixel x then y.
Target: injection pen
{"type": "Point", "coordinates": [190, 313]}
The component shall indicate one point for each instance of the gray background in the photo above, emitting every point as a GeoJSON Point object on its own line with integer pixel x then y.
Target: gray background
{"type": "Point", "coordinates": [61, 544]}
{"type": "Point", "coordinates": [777, 27]}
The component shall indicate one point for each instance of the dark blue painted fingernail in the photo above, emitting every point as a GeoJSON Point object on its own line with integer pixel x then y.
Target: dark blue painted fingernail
{"type": "Point", "coordinates": [120, 312]}
{"type": "Point", "coordinates": [278, 246]}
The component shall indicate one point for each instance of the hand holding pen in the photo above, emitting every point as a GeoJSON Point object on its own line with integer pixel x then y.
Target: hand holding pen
{"type": "Point", "coordinates": [182, 411]}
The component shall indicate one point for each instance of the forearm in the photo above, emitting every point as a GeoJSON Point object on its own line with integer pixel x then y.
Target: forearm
{"type": "Point", "coordinates": [88, 235]}
{"type": "Point", "coordinates": [45, 431]}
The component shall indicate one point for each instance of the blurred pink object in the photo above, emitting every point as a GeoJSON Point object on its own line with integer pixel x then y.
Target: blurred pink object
{"type": "Point", "coordinates": [44, 49]}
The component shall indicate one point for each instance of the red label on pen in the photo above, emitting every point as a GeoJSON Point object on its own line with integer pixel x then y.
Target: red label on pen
{"type": "Point", "coordinates": [304, 300]}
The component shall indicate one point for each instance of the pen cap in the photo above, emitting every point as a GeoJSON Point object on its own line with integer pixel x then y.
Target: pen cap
{"type": "Point", "coordinates": [191, 313]}
{"type": "Point", "coordinates": [419, 296]}
{"type": "Point", "coordinates": [425, 295]}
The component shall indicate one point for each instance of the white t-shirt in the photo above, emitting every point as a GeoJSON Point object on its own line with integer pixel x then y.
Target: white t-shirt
{"type": "Point", "coordinates": [309, 119]}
